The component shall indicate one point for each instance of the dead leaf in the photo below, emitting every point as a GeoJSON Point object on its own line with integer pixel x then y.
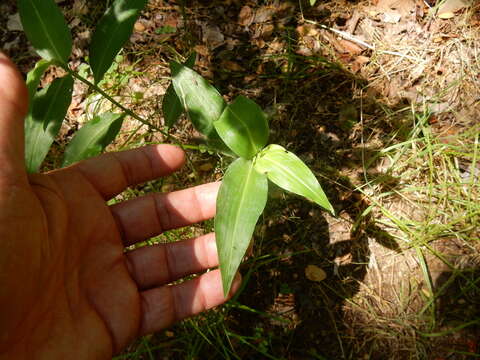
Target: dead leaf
{"type": "Point", "coordinates": [359, 62]}
{"type": "Point", "coordinates": [232, 66]}
{"type": "Point", "coordinates": [391, 17]}
{"type": "Point", "coordinates": [139, 27]}
{"type": "Point", "coordinates": [201, 49]}
{"type": "Point", "coordinates": [206, 167]}
{"type": "Point", "coordinates": [213, 36]}
{"type": "Point", "coordinates": [264, 14]}
{"type": "Point", "coordinates": [307, 30]}
{"type": "Point", "coordinates": [446, 15]}
{"type": "Point", "coordinates": [448, 8]}
{"type": "Point", "coordinates": [350, 47]}
{"type": "Point", "coordinates": [246, 16]}
{"type": "Point", "coordinates": [314, 273]}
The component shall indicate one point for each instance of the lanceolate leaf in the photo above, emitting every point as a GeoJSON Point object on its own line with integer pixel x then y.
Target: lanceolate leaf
{"type": "Point", "coordinates": [33, 78]}
{"type": "Point", "coordinates": [243, 127]}
{"type": "Point", "coordinates": [201, 101]}
{"type": "Point", "coordinates": [93, 137]}
{"type": "Point", "coordinates": [111, 33]}
{"type": "Point", "coordinates": [241, 200]}
{"type": "Point", "coordinates": [171, 106]}
{"type": "Point", "coordinates": [46, 29]}
{"type": "Point", "coordinates": [43, 123]}
{"type": "Point", "coordinates": [289, 172]}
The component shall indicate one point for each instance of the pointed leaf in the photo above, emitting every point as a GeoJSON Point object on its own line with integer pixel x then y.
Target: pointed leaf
{"type": "Point", "coordinates": [46, 29]}
{"type": "Point", "coordinates": [290, 173]}
{"type": "Point", "coordinates": [93, 137]}
{"type": "Point", "coordinates": [241, 200]}
{"type": "Point", "coordinates": [312, 2]}
{"type": "Point", "coordinates": [111, 33]}
{"type": "Point", "coordinates": [33, 78]}
{"type": "Point", "coordinates": [201, 101]}
{"type": "Point", "coordinates": [171, 105]}
{"type": "Point", "coordinates": [43, 123]}
{"type": "Point", "coordinates": [243, 127]}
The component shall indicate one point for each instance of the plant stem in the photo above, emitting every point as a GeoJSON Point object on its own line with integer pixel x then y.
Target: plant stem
{"type": "Point", "coordinates": [116, 103]}
{"type": "Point", "coordinates": [137, 117]}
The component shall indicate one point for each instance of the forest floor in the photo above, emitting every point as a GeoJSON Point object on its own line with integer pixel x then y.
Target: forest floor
{"type": "Point", "coordinates": [381, 99]}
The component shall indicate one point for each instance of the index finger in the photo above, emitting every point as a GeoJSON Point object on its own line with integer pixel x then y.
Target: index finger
{"type": "Point", "coordinates": [112, 173]}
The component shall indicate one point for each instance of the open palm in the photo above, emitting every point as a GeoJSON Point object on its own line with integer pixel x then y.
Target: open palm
{"type": "Point", "coordinates": [68, 288]}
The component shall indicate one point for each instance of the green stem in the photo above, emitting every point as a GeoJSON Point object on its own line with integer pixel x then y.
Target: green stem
{"type": "Point", "coordinates": [137, 117]}
{"type": "Point", "coordinates": [116, 103]}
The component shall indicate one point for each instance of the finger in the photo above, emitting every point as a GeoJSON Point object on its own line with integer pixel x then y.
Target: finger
{"type": "Point", "coordinates": [144, 217]}
{"type": "Point", "coordinates": [152, 266]}
{"type": "Point", "coordinates": [163, 306]}
{"type": "Point", "coordinates": [112, 173]}
{"type": "Point", "coordinates": [13, 108]}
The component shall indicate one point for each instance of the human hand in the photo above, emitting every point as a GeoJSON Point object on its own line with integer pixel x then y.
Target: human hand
{"type": "Point", "coordinates": [68, 289]}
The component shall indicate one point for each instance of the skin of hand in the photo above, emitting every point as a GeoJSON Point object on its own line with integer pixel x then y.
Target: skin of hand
{"type": "Point", "coordinates": [68, 288]}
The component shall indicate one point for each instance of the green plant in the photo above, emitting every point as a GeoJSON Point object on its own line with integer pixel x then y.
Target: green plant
{"type": "Point", "coordinates": [49, 34]}
{"type": "Point", "coordinates": [241, 126]}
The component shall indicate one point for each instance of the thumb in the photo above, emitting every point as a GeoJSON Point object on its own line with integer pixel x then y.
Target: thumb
{"type": "Point", "coordinates": [13, 108]}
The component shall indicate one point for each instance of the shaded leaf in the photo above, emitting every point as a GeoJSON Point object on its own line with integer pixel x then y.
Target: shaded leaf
{"type": "Point", "coordinates": [33, 78]}
{"type": "Point", "coordinates": [111, 33]}
{"type": "Point", "coordinates": [46, 29]}
{"type": "Point", "coordinates": [93, 137]}
{"type": "Point", "coordinates": [201, 101]}
{"type": "Point", "coordinates": [171, 106]}
{"type": "Point", "coordinates": [43, 123]}
{"type": "Point", "coordinates": [290, 173]}
{"type": "Point", "coordinates": [243, 127]}
{"type": "Point", "coordinates": [241, 200]}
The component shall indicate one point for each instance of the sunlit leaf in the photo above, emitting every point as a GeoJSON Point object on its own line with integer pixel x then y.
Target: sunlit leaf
{"type": "Point", "coordinates": [111, 33]}
{"type": "Point", "coordinates": [243, 127]}
{"type": "Point", "coordinates": [241, 200]}
{"type": "Point", "coordinates": [46, 28]}
{"type": "Point", "coordinates": [34, 77]}
{"type": "Point", "coordinates": [312, 2]}
{"type": "Point", "coordinates": [93, 137]}
{"type": "Point", "coordinates": [43, 123]}
{"type": "Point", "coordinates": [201, 101]}
{"type": "Point", "coordinates": [290, 173]}
{"type": "Point", "coordinates": [171, 105]}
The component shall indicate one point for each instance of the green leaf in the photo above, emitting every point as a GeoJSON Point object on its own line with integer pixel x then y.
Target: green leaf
{"type": "Point", "coordinates": [171, 106]}
{"type": "Point", "coordinates": [241, 200]}
{"type": "Point", "coordinates": [312, 2]}
{"type": "Point", "coordinates": [93, 137]}
{"type": "Point", "coordinates": [46, 29]}
{"type": "Point", "coordinates": [43, 122]}
{"type": "Point", "coordinates": [290, 173]}
{"type": "Point", "coordinates": [243, 127]}
{"type": "Point", "coordinates": [33, 78]}
{"type": "Point", "coordinates": [111, 33]}
{"type": "Point", "coordinates": [201, 101]}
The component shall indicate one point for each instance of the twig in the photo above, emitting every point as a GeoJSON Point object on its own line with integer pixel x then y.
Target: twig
{"type": "Point", "coordinates": [351, 38]}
